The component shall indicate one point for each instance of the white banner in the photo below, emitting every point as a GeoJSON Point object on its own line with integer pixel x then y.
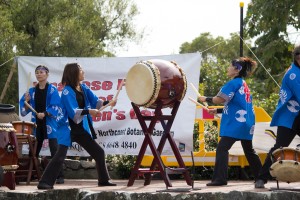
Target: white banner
{"type": "Point", "coordinates": [118, 130]}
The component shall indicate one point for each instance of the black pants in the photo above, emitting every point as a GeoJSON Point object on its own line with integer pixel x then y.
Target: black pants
{"type": "Point", "coordinates": [222, 155]}
{"type": "Point", "coordinates": [41, 135]}
{"type": "Point", "coordinates": [284, 138]}
{"type": "Point", "coordinates": [90, 145]}
{"type": "Point", "coordinates": [55, 166]}
{"type": "Point", "coordinates": [96, 152]}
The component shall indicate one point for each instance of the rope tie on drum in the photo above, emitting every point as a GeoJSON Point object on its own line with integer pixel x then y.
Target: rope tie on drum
{"type": "Point", "coordinates": [260, 62]}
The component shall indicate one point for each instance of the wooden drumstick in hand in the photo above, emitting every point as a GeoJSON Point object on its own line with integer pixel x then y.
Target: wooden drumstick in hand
{"type": "Point", "coordinates": [103, 107]}
{"type": "Point", "coordinates": [203, 106]}
{"type": "Point", "coordinates": [29, 106]}
{"type": "Point", "coordinates": [28, 82]}
{"type": "Point", "coordinates": [196, 91]}
{"type": "Point", "coordinates": [119, 89]}
{"type": "Point", "coordinates": [198, 104]}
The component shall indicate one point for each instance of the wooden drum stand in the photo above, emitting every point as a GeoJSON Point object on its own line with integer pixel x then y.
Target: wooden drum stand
{"type": "Point", "coordinates": [157, 161]}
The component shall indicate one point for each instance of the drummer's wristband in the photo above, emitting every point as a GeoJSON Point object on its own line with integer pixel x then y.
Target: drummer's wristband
{"type": "Point", "coordinates": [85, 112]}
{"type": "Point", "coordinates": [219, 110]}
{"type": "Point", "coordinates": [209, 99]}
{"type": "Point", "coordinates": [46, 113]}
{"type": "Point", "coordinates": [105, 103]}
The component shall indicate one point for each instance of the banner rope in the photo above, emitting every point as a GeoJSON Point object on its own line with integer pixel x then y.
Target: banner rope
{"type": "Point", "coordinates": [6, 61]}
{"type": "Point", "coordinates": [261, 63]}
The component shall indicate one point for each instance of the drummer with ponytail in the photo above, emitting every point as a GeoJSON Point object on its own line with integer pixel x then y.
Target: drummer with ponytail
{"type": "Point", "coordinates": [238, 119]}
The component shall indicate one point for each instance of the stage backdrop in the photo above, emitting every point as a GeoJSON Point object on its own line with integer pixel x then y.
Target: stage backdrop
{"type": "Point", "coordinates": [118, 130]}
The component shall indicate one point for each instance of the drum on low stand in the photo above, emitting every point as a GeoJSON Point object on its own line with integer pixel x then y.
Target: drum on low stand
{"type": "Point", "coordinates": [8, 154]}
{"type": "Point", "coordinates": [148, 82]}
{"type": "Point", "coordinates": [28, 162]}
{"type": "Point", "coordinates": [24, 127]}
{"type": "Point", "coordinates": [286, 166]}
{"type": "Point", "coordinates": [9, 146]}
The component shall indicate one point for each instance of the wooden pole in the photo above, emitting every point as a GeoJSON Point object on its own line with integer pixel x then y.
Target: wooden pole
{"type": "Point", "coordinates": [12, 69]}
{"type": "Point", "coordinates": [241, 28]}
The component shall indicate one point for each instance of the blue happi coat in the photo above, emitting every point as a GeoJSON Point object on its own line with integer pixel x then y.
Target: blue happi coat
{"type": "Point", "coordinates": [63, 129]}
{"type": "Point", "coordinates": [238, 116]}
{"type": "Point", "coordinates": [52, 102]}
{"type": "Point", "coordinates": [73, 111]}
{"type": "Point", "coordinates": [288, 105]}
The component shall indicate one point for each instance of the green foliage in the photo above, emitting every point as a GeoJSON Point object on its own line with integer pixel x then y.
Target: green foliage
{"type": "Point", "coordinates": [66, 28]}
{"type": "Point", "coordinates": [196, 141]}
{"type": "Point", "coordinates": [211, 134]}
{"type": "Point", "coordinates": [122, 164]}
{"type": "Point", "coordinates": [271, 22]}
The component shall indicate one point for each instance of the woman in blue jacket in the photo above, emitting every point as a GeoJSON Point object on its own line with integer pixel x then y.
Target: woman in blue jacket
{"type": "Point", "coordinates": [286, 116]}
{"type": "Point", "coordinates": [238, 119]}
{"type": "Point", "coordinates": [44, 98]}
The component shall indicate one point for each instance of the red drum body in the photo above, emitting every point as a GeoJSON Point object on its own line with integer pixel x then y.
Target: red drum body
{"type": "Point", "coordinates": [24, 127]}
{"type": "Point", "coordinates": [8, 145]}
{"type": "Point", "coordinates": [156, 81]}
{"type": "Point", "coordinates": [286, 166]}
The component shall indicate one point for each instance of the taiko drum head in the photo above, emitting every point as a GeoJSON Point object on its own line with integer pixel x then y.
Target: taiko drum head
{"type": "Point", "coordinates": [286, 171]}
{"type": "Point", "coordinates": [141, 83]}
{"type": "Point", "coordinates": [155, 81]}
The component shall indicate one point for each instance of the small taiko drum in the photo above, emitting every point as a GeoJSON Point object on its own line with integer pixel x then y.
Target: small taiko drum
{"type": "Point", "coordinates": [286, 164]}
{"type": "Point", "coordinates": [156, 81]}
{"type": "Point", "coordinates": [8, 146]}
{"type": "Point", "coordinates": [24, 127]}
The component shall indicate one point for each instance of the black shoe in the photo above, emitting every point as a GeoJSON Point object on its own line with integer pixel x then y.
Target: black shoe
{"type": "Point", "coordinates": [260, 183]}
{"type": "Point", "coordinates": [60, 180]}
{"type": "Point", "coordinates": [106, 183]}
{"type": "Point", "coordinates": [216, 183]}
{"type": "Point", "coordinates": [44, 186]}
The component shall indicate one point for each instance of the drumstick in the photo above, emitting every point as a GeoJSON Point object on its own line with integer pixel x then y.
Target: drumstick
{"type": "Point", "coordinates": [103, 107]}
{"type": "Point", "coordinates": [196, 91]}
{"type": "Point", "coordinates": [28, 81]}
{"type": "Point", "coordinates": [203, 106]}
{"type": "Point", "coordinates": [198, 104]}
{"type": "Point", "coordinates": [119, 89]}
{"type": "Point", "coordinates": [29, 106]}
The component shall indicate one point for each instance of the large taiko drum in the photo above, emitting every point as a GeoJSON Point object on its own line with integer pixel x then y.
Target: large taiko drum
{"type": "Point", "coordinates": [8, 145]}
{"type": "Point", "coordinates": [156, 81]}
{"type": "Point", "coordinates": [24, 127]}
{"type": "Point", "coordinates": [286, 164]}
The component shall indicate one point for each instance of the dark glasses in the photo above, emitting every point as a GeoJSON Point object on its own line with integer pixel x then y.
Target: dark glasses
{"type": "Point", "coordinates": [297, 53]}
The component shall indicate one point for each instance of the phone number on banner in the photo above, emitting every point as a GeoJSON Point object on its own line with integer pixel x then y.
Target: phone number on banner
{"type": "Point", "coordinates": [117, 145]}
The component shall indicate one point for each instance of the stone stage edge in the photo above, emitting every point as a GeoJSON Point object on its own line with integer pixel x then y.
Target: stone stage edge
{"type": "Point", "coordinates": [87, 189]}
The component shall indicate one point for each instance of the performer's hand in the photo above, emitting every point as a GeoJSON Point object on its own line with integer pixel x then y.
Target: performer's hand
{"type": "Point", "coordinates": [93, 112]}
{"type": "Point", "coordinates": [40, 115]}
{"type": "Point", "coordinates": [27, 97]}
{"type": "Point", "coordinates": [212, 111]}
{"type": "Point", "coordinates": [202, 98]}
{"type": "Point", "coordinates": [113, 103]}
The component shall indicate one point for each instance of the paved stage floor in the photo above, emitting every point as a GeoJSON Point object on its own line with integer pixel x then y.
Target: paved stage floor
{"type": "Point", "coordinates": [156, 186]}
